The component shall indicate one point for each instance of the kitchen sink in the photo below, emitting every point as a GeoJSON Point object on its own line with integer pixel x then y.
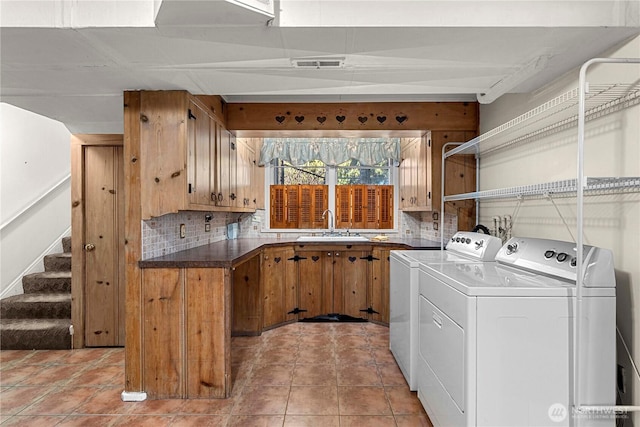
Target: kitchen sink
{"type": "Point", "coordinates": [332, 239]}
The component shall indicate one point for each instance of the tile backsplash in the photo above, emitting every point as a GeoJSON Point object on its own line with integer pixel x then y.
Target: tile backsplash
{"type": "Point", "coordinates": [161, 236]}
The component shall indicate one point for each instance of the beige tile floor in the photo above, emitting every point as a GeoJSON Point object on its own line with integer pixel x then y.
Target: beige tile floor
{"type": "Point", "coordinates": [302, 374]}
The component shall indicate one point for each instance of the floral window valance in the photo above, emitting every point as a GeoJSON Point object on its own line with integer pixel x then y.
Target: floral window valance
{"type": "Point", "coordinates": [331, 151]}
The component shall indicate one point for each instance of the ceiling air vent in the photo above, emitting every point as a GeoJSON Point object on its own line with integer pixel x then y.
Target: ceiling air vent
{"type": "Point", "coordinates": [318, 63]}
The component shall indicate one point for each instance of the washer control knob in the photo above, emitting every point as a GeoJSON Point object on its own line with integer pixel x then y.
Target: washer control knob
{"type": "Point", "coordinates": [549, 254]}
{"type": "Point", "coordinates": [562, 257]}
{"type": "Point", "coordinates": [468, 241]}
{"type": "Point", "coordinates": [512, 248]}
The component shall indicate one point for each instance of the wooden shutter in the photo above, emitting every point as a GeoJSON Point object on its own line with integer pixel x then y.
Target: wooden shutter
{"type": "Point", "coordinates": [306, 206]}
{"type": "Point", "coordinates": [278, 195]}
{"type": "Point", "coordinates": [320, 203]}
{"type": "Point", "coordinates": [343, 204]}
{"type": "Point", "coordinates": [385, 209]}
{"type": "Point", "coordinates": [372, 205]}
{"type": "Point", "coordinates": [293, 206]}
{"type": "Point", "coordinates": [358, 206]}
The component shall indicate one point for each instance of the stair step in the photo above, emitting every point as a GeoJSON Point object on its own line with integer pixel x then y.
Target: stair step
{"type": "Point", "coordinates": [36, 306]}
{"type": "Point", "coordinates": [47, 282]}
{"type": "Point", "coordinates": [35, 334]}
{"type": "Point", "coordinates": [66, 244]}
{"type": "Point", "coordinates": [58, 262]}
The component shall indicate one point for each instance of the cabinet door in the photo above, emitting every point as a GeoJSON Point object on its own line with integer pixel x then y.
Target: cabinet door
{"type": "Point", "coordinates": [279, 286]}
{"type": "Point", "coordinates": [257, 180]}
{"type": "Point", "coordinates": [247, 309]}
{"type": "Point", "coordinates": [199, 156]}
{"type": "Point", "coordinates": [163, 362]}
{"type": "Point", "coordinates": [315, 282]}
{"type": "Point", "coordinates": [379, 284]}
{"type": "Point", "coordinates": [423, 170]}
{"type": "Point", "coordinates": [225, 169]}
{"type": "Point", "coordinates": [350, 279]}
{"type": "Point", "coordinates": [243, 174]}
{"type": "Point", "coordinates": [207, 340]}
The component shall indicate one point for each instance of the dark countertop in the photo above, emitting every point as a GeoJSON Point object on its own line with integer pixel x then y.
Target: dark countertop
{"type": "Point", "coordinates": [228, 253]}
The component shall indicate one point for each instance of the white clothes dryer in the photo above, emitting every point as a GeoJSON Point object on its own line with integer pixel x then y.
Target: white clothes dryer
{"type": "Point", "coordinates": [403, 299]}
{"type": "Point", "coordinates": [496, 339]}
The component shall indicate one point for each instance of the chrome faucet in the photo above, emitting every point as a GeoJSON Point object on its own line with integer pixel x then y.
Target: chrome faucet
{"type": "Point", "coordinates": [331, 219]}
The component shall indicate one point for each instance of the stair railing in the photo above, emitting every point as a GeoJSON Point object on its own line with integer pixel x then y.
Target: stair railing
{"type": "Point", "coordinates": [35, 202]}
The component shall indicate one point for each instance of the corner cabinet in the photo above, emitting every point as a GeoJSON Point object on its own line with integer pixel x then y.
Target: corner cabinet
{"type": "Point", "coordinates": [416, 174]}
{"type": "Point", "coordinates": [187, 157]}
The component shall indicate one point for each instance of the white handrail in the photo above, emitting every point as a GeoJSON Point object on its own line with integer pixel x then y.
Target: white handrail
{"type": "Point", "coordinates": [35, 202]}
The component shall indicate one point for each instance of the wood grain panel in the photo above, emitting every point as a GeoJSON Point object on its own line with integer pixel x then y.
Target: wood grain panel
{"type": "Point", "coordinates": [312, 282]}
{"type": "Point", "coordinates": [207, 340]}
{"type": "Point", "coordinates": [351, 278]}
{"type": "Point", "coordinates": [381, 116]}
{"type": "Point", "coordinates": [163, 116]}
{"type": "Point", "coordinates": [101, 216]}
{"type": "Point", "coordinates": [133, 244]}
{"type": "Point", "coordinates": [379, 284]}
{"type": "Point", "coordinates": [247, 294]}
{"type": "Point", "coordinates": [163, 365]}
{"type": "Point", "coordinates": [77, 243]}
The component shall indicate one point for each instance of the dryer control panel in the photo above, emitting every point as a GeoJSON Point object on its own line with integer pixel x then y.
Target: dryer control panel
{"type": "Point", "coordinates": [482, 247]}
{"type": "Point", "coordinates": [558, 258]}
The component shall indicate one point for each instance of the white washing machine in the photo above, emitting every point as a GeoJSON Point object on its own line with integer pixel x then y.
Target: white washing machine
{"type": "Point", "coordinates": [403, 300]}
{"type": "Point", "coordinates": [495, 339]}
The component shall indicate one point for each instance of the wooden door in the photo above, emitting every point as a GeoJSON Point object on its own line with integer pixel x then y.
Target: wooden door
{"type": "Point", "coordinates": [103, 220]}
{"type": "Point", "coordinates": [350, 280]}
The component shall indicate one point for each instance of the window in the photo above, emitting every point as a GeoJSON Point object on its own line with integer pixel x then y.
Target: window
{"type": "Point", "coordinates": [361, 197]}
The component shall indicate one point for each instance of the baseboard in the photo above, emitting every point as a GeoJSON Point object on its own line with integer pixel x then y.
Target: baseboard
{"type": "Point", "coordinates": [15, 287]}
{"type": "Point", "coordinates": [133, 396]}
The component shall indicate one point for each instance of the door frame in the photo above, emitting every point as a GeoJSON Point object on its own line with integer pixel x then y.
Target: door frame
{"type": "Point", "coordinates": [78, 265]}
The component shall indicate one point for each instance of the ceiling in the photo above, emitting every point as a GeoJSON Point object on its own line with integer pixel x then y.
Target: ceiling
{"type": "Point", "coordinates": [76, 74]}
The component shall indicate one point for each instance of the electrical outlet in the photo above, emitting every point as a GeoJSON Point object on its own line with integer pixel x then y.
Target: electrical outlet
{"type": "Point", "coordinates": [183, 231]}
{"type": "Point", "coordinates": [207, 227]}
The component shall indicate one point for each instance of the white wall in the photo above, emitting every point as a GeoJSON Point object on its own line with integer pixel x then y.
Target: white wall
{"type": "Point", "coordinates": [612, 148]}
{"type": "Point", "coordinates": [34, 156]}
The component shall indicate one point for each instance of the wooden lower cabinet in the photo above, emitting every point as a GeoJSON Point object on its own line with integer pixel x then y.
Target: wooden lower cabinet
{"type": "Point", "coordinates": [333, 280]}
{"type": "Point", "coordinates": [247, 310]}
{"type": "Point", "coordinates": [379, 284]}
{"type": "Point", "coordinates": [279, 287]}
{"type": "Point", "coordinates": [186, 333]}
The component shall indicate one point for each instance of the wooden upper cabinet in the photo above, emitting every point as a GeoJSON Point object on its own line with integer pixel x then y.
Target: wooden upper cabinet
{"type": "Point", "coordinates": [200, 152]}
{"type": "Point", "coordinates": [257, 180]}
{"type": "Point", "coordinates": [416, 174]}
{"type": "Point", "coordinates": [244, 174]}
{"type": "Point", "coordinates": [180, 137]}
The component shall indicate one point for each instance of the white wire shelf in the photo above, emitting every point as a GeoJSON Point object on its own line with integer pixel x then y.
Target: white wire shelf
{"type": "Point", "coordinates": [555, 115]}
{"type": "Point", "coordinates": [564, 188]}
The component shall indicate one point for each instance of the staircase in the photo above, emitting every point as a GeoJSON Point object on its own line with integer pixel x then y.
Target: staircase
{"type": "Point", "coordinates": [40, 318]}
